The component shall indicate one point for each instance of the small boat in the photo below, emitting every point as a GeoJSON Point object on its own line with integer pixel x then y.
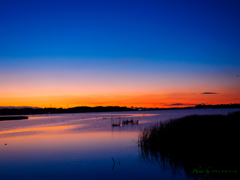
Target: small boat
{"type": "Point", "coordinates": [135, 122]}
{"type": "Point", "coordinates": [114, 124]}
{"type": "Point", "coordinates": [129, 122]}
{"type": "Point", "coordinates": [125, 122]}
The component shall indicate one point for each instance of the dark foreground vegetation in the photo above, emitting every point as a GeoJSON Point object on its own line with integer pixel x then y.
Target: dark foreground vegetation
{"type": "Point", "coordinates": [12, 118]}
{"type": "Point", "coordinates": [205, 147]}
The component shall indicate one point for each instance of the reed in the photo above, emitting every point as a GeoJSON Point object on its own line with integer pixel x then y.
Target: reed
{"type": "Point", "coordinates": [193, 141]}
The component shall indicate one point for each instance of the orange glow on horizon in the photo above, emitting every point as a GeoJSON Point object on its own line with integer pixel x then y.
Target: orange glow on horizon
{"type": "Point", "coordinates": [144, 100]}
{"type": "Point", "coordinates": [58, 90]}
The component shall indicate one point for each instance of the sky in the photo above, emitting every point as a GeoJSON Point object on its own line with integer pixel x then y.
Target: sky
{"type": "Point", "coordinates": [119, 53]}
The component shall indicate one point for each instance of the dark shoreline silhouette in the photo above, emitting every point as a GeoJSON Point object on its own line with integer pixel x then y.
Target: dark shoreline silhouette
{"type": "Point", "coordinates": [203, 146]}
{"type": "Point", "coordinates": [84, 109]}
{"type": "Point", "coordinates": [6, 118]}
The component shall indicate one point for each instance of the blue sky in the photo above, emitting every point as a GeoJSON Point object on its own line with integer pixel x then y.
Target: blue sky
{"type": "Point", "coordinates": [152, 39]}
{"type": "Point", "coordinates": [185, 31]}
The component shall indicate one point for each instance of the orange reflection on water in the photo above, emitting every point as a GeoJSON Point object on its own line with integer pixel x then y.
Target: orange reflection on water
{"type": "Point", "coordinates": [50, 128]}
{"type": "Point", "coordinates": [145, 115]}
{"type": "Point", "coordinates": [42, 117]}
{"type": "Point", "coordinates": [129, 115]}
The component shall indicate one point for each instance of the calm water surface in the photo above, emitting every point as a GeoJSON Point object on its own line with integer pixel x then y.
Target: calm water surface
{"type": "Point", "coordinates": [81, 146]}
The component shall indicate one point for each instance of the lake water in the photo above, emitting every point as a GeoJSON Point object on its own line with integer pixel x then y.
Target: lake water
{"type": "Point", "coordinates": [83, 146]}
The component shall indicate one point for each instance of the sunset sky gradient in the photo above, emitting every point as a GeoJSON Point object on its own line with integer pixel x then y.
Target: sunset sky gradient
{"type": "Point", "coordinates": [119, 53]}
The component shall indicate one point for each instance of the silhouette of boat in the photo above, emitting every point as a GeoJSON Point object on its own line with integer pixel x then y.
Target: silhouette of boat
{"type": "Point", "coordinates": [130, 122]}
{"type": "Point", "coordinates": [115, 124]}
{"type": "Point", "coordinates": [135, 122]}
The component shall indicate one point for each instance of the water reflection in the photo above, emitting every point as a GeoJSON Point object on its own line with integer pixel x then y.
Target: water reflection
{"type": "Point", "coordinates": [74, 155]}
{"type": "Point", "coordinates": [181, 164]}
{"type": "Point", "coordinates": [81, 146]}
{"type": "Point", "coordinates": [42, 129]}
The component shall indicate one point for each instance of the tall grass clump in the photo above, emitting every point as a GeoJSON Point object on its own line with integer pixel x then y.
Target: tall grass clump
{"type": "Point", "coordinates": [194, 141]}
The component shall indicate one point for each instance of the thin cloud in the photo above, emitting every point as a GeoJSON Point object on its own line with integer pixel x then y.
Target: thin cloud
{"type": "Point", "coordinates": [177, 104]}
{"type": "Point", "coordinates": [209, 93]}
{"type": "Point", "coordinates": [182, 104]}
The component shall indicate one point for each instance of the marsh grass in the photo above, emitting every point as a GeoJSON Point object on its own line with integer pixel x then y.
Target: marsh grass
{"type": "Point", "coordinates": [193, 141]}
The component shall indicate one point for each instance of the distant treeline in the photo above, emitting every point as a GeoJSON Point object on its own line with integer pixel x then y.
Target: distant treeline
{"type": "Point", "coordinates": [60, 110]}
{"type": "Point", "coordinates": [218, 106]}
{"type": "Point", "coordinates": [20, 111]}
